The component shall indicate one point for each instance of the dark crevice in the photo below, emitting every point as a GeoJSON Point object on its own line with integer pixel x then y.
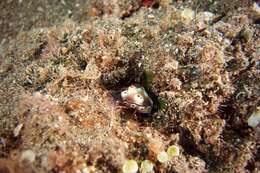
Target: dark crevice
{"type": "Point", "coordinates": [39, 50]}
{"type": "Point", "coordinates": [126, 75]}
{"type": "Point", "coordinates": [129, 13]}
{"type": "Point", "coordinates": [190, 147]}
{"type": "Point", "coordinates": [227, 111]}
{"type": "Point", "coordinates": [188, 143]}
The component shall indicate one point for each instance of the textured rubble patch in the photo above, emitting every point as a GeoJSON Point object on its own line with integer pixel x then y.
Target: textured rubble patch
{"type": "Point", "coordinates": [60, 88]}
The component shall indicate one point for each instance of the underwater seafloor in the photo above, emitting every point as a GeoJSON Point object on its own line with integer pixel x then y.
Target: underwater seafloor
{"type": "Point", "coordinates": [64, 63]}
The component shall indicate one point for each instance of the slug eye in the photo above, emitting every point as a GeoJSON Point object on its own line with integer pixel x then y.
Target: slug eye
{"type": "Point", "coordinates": [141, 108]}
{"type": "Point", "coordinates": [138, 99]}
{"type": "Point", "coordinates": [124, 94]}
{"type": "Point", "coordinates": [133, 106]}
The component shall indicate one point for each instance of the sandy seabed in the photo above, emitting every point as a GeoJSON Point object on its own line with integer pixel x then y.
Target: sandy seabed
{"type": "Point", "coordinates": [63, 66]}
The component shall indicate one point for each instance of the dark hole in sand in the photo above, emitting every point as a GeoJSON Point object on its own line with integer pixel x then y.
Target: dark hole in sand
{"type": "Point", "coordinates": [227, 111]}
{"type": "Point", "coordinates": [134, 75]}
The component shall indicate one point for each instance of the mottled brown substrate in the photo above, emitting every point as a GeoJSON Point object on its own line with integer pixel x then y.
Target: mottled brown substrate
{"type": "Point", "coordinates": [59, 88]}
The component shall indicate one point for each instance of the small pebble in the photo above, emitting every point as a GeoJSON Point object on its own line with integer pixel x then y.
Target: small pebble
{"type": "Point", "coordinates": [254, 119]}
{"type": "Point", "coordinates": [146, 166]}
{"type": "Point", "coordinates": [130, 166]}
{"type": "Point", "coordinates": [173, 151]}
{"type": "Point", "coordinates": [163, 157]}
{"type": "Point", "coordinates": [64, 50]}
{"type": "Point", "coordinates": [187, 14]}
{"type": "Point", "coordinates": [28, 155]}
{"type": "Point", "coordinates": [85, 170]}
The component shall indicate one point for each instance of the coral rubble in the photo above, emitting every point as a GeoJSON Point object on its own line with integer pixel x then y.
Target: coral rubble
{"type": "Point", "coordinates": [198, 62]}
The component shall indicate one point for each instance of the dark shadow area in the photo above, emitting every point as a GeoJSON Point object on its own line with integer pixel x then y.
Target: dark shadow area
{"type": "Point", "coordinates": [132, 75]}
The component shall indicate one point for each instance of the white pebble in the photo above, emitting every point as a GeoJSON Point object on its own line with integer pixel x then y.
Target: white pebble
{"type": "Point", "coordinates": [17, 130]}
{"type": "Point", "coordinates": [28, 155]}
{"type": "Point", "coordinates": [163, 157]}
{"type": "Point", "coordinates": [146, 166]}
{"type": "Point", "coordinates": [254, 119]}
{"type": "Point", "coordinates": [130, 166]}
{"type": "Point", "coordinates": [85, 170]}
